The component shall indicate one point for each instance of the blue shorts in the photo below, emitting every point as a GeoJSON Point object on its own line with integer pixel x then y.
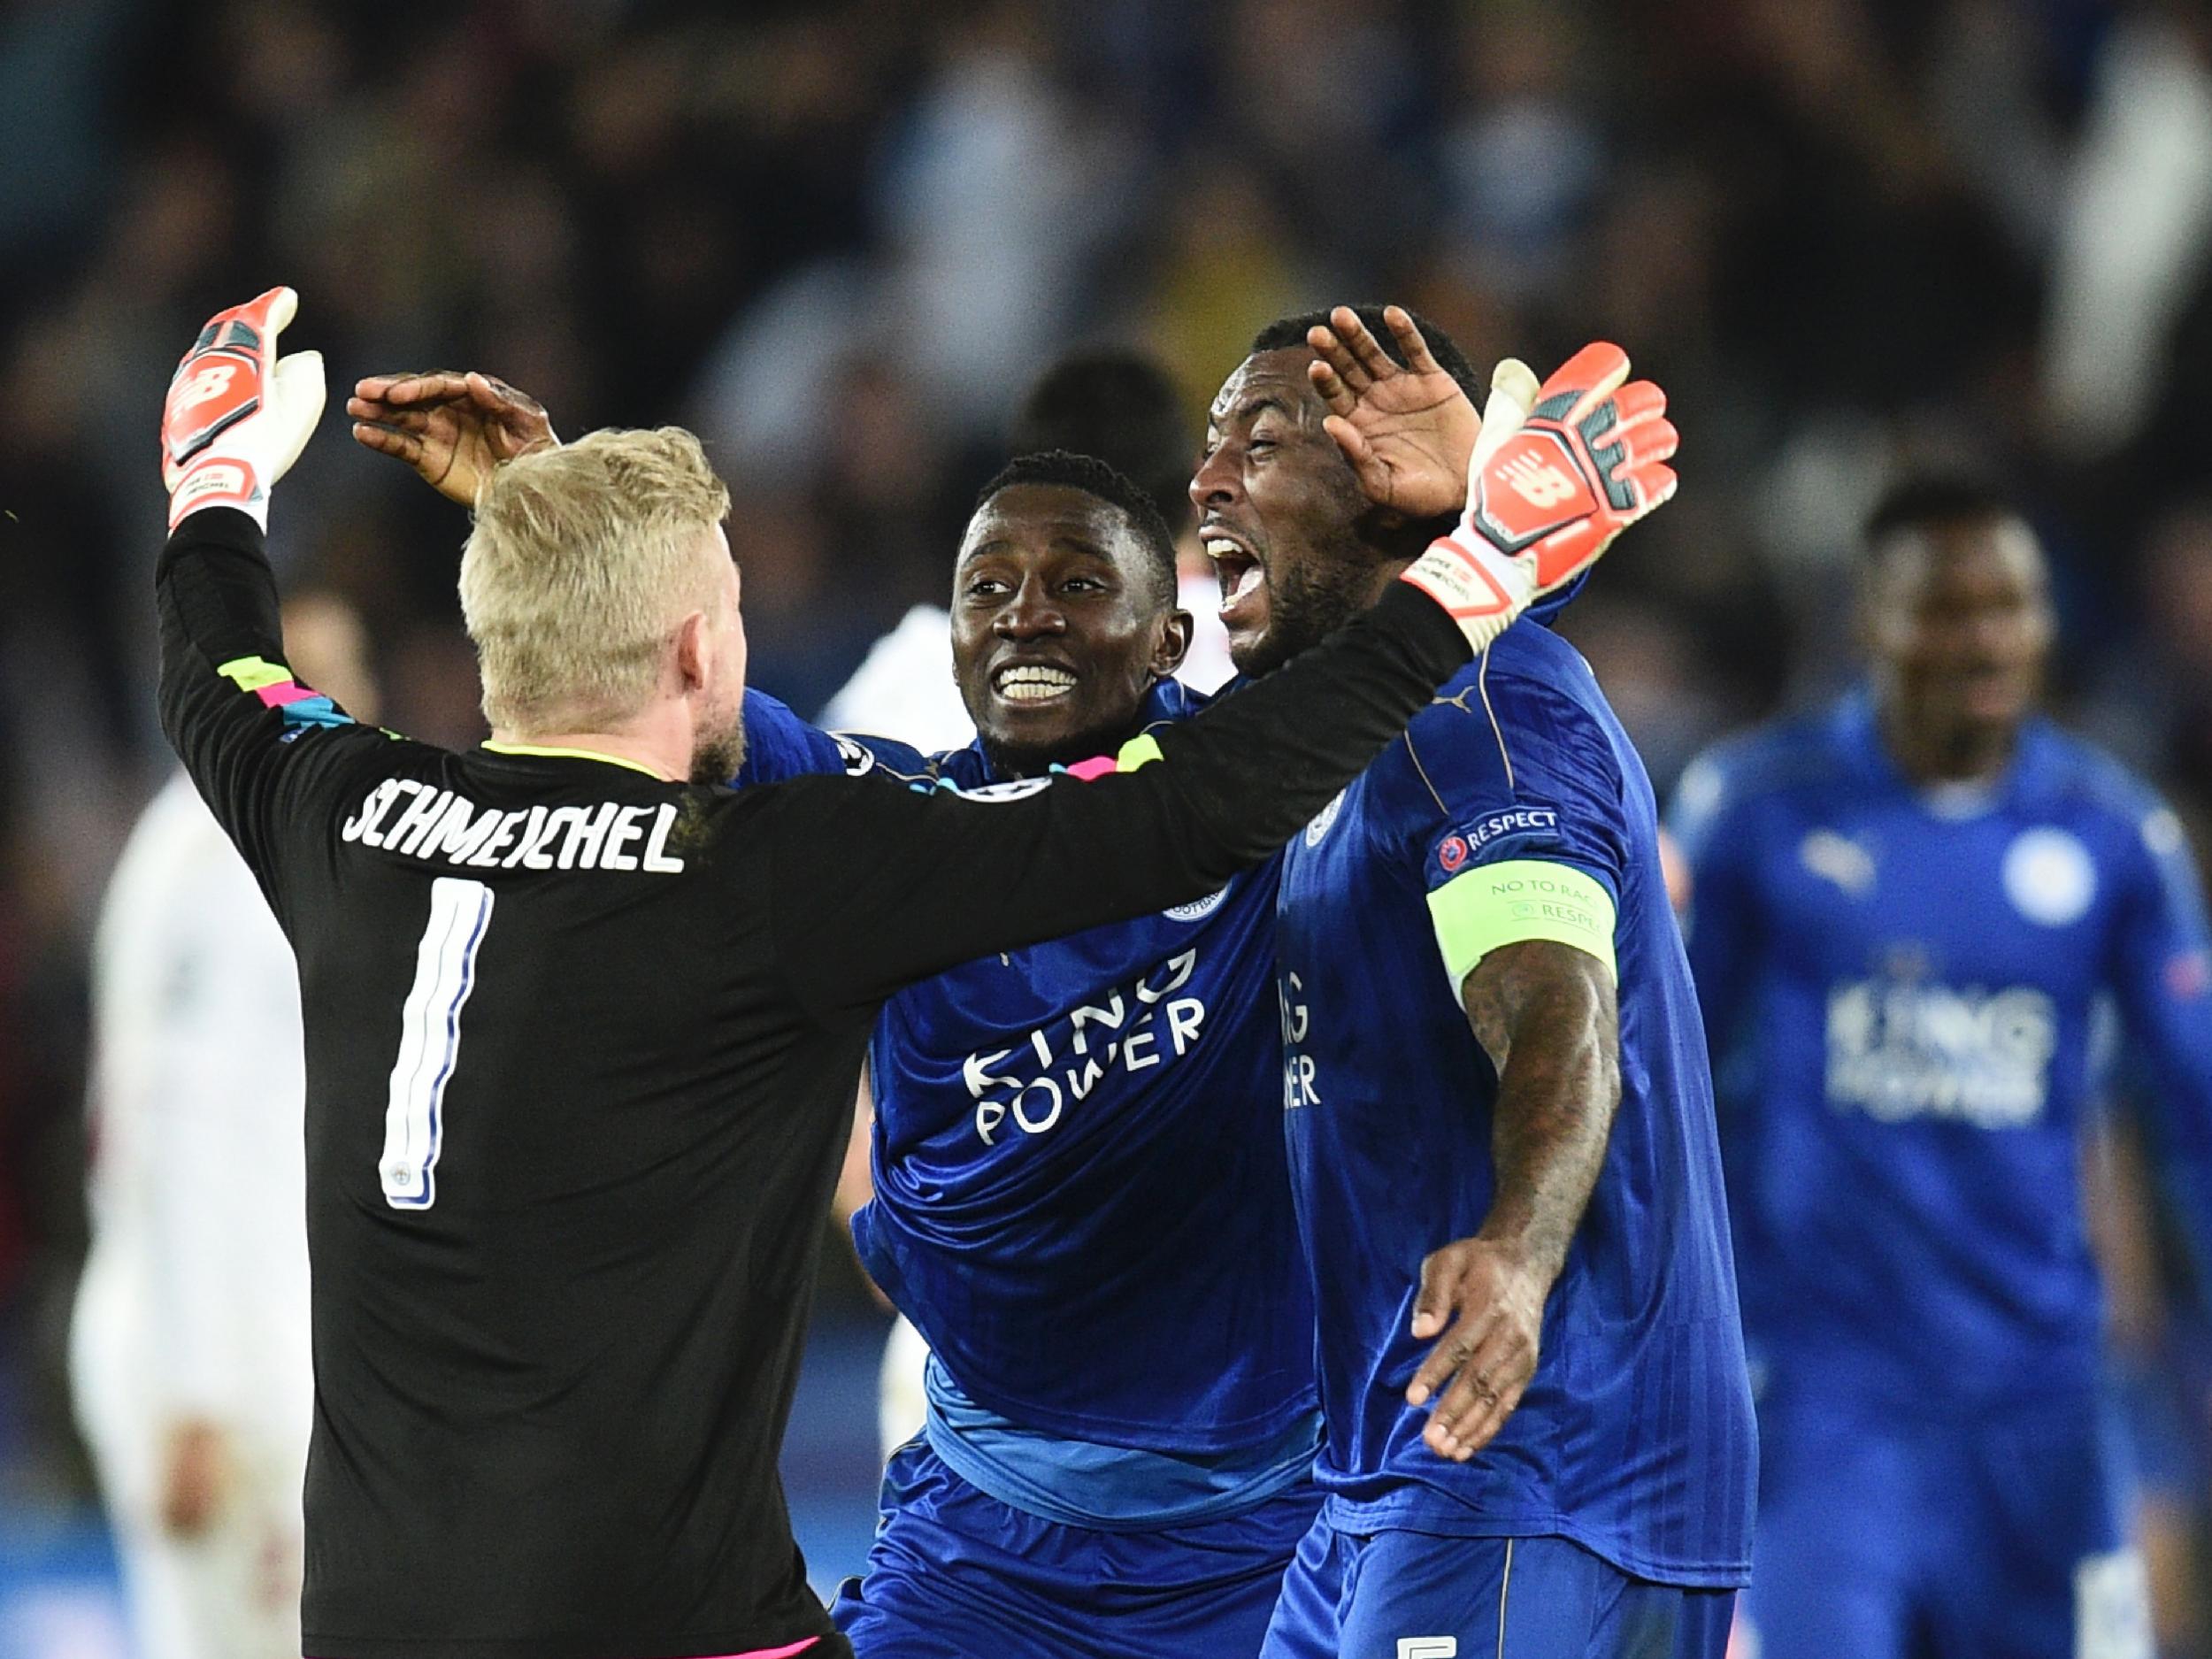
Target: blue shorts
{"type": "Point", "coordinates": [1884, 1537]}
{"type": "Point", "coordinates": [956, 1573]}
{"type": "Point", "coordinates": [1420, 1595]}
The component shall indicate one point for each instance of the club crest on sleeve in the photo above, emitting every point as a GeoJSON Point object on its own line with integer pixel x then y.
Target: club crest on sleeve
{"type": "Point", "coordinates": [1840, 859]}
{"type": "Point", "coordinates": [1013, 789]}
{"type": "Point", "coordinates": [857, 759]}
{"type": "Point", "coordinates": [1324, 819]}
{"type": "Point", "coordinates": [2050, 876]}
{"type": "Point", "coordinates": [1197, 909]}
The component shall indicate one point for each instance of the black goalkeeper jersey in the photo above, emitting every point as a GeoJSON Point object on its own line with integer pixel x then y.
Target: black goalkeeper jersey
{"type": "Point", "coordinates": [581, 1050]}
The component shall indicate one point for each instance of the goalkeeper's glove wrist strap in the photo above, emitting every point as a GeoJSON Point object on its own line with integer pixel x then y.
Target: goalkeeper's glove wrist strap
{"type": "Point", "coordinates": [219, 482]}
{"type": "Point", "coordinates": [1481, 589]}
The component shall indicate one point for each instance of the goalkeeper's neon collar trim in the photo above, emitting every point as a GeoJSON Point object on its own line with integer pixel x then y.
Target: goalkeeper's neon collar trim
{"type": "Point", "coordinates": [1499, 904]}
{"type": "Point", "coordinates": [572, 753]}
{"type": "Point", "coordinates": [1141, 750]}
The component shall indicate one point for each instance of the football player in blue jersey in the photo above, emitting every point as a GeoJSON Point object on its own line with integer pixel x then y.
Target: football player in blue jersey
{"type": "Point", "coordinates": [1081, 1192]}
{"type": "Point", "coordinates": [1538, 1436]}
{"type": "Point", "coordinates": [1904, 908]}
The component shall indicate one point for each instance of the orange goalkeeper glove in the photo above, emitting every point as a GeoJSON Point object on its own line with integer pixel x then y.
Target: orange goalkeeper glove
{"type": "Point", "coordinates": [237, 416]}
{"type": "Point", "coordinates": [1547, 496]}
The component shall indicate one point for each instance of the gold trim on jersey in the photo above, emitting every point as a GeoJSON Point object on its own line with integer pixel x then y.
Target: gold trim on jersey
{"type": "Point", "coordinates": [570, 754]}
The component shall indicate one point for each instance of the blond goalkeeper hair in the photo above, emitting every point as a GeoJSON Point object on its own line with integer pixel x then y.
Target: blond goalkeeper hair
{"type": "Point", "coordinates": [583, 562]}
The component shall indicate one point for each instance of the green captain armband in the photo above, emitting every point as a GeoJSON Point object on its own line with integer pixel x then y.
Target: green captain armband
{"type": "Point", "coordinates": [1493, 905]}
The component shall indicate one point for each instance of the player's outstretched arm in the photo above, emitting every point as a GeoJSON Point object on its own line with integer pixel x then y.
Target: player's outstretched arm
{"type": "Point", "coordinates": [236, 418]}
{"type": "Point", "coordinates": [937, 878]}
{"type": "Point", "coordinates": [453, 426]}
{"type": "Point", "coordinates": [1545, 1014]}
{"type": "Point", "coordinates": [878, 886]}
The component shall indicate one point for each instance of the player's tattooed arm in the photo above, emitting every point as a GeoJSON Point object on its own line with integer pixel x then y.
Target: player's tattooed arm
{"type": "Point", "coordinates": [452, 427]}
{"type": "Point", "coordinates": [1546, 1015]}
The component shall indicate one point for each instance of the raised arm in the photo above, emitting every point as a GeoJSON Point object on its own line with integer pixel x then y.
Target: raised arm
{"type": "Point", "coordinates": [938, 878]}
{"type": "Point", "coordinates": [235, 419]}
{"type": "Point", "coordinates": [930, 876]}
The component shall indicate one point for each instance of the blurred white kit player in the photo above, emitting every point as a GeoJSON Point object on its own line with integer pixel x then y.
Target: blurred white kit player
{"type": "Point", "coordinates": [191, 1354]}
{"type": "Point", "coordinates": [904, 689]}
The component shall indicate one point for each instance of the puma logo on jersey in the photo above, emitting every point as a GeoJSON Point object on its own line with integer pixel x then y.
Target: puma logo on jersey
{"type": "Point", "coordinates": [439, 824]}
{"type": "Point", "coordinates": [1537, 482]}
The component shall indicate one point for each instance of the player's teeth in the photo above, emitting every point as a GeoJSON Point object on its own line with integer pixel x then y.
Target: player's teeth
{"type": "Point", "coordinates": [1035, 685]}
{"type": "Point", "coordinates": [1219, 549]}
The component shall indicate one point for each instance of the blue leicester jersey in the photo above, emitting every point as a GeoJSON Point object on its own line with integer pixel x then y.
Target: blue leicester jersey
{"type": "Point", "coordinates": [1901, 984]}
{"type": "Point", "coordinates": [1080, 1192]}
{"type": "Point", "coordinates": [1635, 1435]}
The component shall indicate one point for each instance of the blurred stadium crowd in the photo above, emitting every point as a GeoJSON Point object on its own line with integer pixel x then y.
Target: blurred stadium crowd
{"type": "Point", "coordinates": [839, 238]}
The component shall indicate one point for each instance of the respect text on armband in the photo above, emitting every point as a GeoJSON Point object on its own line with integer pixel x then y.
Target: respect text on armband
{"type": "Point", "coordinates": [417, 820]}
{"type": "Point", "coordinates": [1521, 820]}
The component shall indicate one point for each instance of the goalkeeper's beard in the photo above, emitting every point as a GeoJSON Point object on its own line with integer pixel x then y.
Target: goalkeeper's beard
{"type": "Point", "coordinates": [716, 754]}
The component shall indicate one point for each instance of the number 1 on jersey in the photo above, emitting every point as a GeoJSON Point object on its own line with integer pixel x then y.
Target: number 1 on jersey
{"type": "Point", "coordinates": [430, 1041]}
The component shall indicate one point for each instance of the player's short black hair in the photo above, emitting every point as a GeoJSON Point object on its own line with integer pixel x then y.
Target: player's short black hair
{"type": "Point", "coordinates": [1286, 331]}
{"type": "Point", "coordinates": [1121, 406]}
{"type": "Point", "coordinates": [1094, 477]}
{"type": "Point", "coordinates": [1920, 499]}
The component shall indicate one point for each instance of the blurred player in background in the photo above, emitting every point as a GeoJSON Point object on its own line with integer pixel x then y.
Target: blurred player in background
{"type": "Point", "coordinates": [1539, 1437]}
{"type": "Point", "coordinates": [1905, 909]}
{"type": "Point", "coordinates": [189, 1351]}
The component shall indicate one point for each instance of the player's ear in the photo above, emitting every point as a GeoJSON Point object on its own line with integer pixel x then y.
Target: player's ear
{"type": "Point", "coordinates": [692, 653]}
{"type": "Point", "coordinates": [1172, 644]}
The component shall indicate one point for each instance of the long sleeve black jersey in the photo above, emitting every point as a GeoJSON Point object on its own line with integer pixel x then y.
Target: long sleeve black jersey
{"type": "Point", "coordinates": [581, 1050]}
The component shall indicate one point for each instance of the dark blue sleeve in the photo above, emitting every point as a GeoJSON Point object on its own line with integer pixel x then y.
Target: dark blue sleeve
{"type": "Point", "coordinates": [1722, 930]}
{"type": "Point", "coordinates": [2163, 978]}
{"type": "Point", "coordinates": [778, 745]}
{"type": "Point", "coordinates": [1524, 772]}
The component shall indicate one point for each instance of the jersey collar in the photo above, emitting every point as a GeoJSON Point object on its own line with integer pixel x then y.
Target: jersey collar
{"type": "Point", "coordinates": [1167, 700]}
{"type": "Point", "coordinates": [533, 752]}
{"type": "Point", "coordinates": [1862, 733]}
